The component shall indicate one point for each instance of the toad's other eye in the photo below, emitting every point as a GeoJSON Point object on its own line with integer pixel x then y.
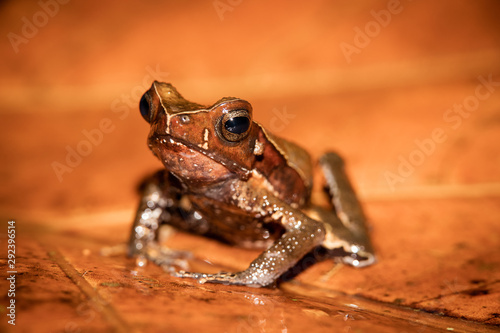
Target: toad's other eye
{"type": "Point", "coordinates": [235, 125]}
{"type": "Point", "coordinates": [145, 108]}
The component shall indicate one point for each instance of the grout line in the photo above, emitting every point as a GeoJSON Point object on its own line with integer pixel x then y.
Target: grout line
{"type": "Point", "coordinates": [458, 292]}
{"type": "Point", "coordinates": [107, 310]}
{"type": "Point", "coordinates": [444, 191]}
{"type": "Point", "coordinates": [424, 192]}
{"type": "Point", "coordinates": [422, 71]}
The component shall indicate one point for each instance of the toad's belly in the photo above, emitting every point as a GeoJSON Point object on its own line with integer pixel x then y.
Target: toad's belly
{"type": "Point", "coordinates": [236, 226]}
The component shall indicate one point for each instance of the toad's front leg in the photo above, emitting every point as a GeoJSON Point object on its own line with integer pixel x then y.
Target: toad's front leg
{"type": "Point", "coordinates": [302, 234]}
{"type": "Point", "coordinates": [161, 204]}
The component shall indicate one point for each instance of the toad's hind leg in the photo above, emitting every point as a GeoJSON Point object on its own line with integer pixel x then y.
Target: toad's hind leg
{"type": "Point", "coordinates": [348, 226]}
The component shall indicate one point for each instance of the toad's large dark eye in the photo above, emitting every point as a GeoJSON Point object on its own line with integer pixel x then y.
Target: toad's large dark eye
{"type": "Point", "coordinates": [145, 108]}
{"type": "Point", "coordinates": [235, 125]}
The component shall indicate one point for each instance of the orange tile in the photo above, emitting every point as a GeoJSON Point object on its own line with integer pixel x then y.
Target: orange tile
{"type": "Point", "coordinates": [74, 84]}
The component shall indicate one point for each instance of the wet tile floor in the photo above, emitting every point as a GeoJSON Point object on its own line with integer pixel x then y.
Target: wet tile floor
{"type": "Point", "coordinates": [415, 113]}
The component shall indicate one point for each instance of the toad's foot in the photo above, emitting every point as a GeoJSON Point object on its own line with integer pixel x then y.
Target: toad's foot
{"type": "Point", "coordinates": [222, 277]}
{"type": "Point", "coordinates": [164, 257]}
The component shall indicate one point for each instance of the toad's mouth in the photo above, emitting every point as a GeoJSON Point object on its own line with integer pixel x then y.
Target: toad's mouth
{"type": "Point", "coordinates": [166, 146]}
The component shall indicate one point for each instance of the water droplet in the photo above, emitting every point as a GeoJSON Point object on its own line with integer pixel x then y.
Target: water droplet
{"type": "Point", "coordinates": [141, 261]}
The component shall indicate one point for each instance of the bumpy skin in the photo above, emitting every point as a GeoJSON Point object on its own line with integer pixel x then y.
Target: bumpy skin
{"type": "Point", "coordinates": [225, 176]}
